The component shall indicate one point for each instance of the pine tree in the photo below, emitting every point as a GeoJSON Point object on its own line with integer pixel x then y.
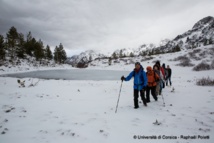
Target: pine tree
{"type": "Point", "coordinates": [157, 51]}
{"type": "Point", "coordinates": [20, 50]}
{"type": "Point", "coordinates": [210, 41]}
{"type": "Point", "coordinates": [114, 55]}
{"type": "Point", "coordinates": [206, 41]}
{"type": "Point", "coordinates": [187, 40]}
{"type": "Point", "coordinates": [12, 38]}
{"type": "Point", "coordinates": [60, 55]}
{"type": "Point", "coordinates": [177, 48]}
{"type": "Point", "coordinates": [56, 54]}
{"type": "Point", "coordinates": [131, 54]}
{"type": "Point", "coordinates": [48, 53]}
{"type": "Point", "coordinates": [64, 56]}
{"type": "Point", "coordinates": [90, 58]}
{"type": "Point", "coordinates": [39, 50]}
{"type": "Point", "coordinates": [30, 44]}
{"type": "Point", "coordinates": [121, 54]}
{"type": "Point", "coordinates": [109, 61]}
{"type": "Point", "coordinates": [2, 48]}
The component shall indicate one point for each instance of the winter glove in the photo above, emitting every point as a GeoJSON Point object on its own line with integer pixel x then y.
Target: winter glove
{"type": "Point", "coordinates": [122, 78]}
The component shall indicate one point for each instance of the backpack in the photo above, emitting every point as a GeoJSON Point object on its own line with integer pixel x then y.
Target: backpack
{"type": "Point", "coordinates": [154, 76]}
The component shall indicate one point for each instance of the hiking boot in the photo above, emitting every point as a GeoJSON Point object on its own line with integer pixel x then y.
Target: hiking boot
{"type": "Point", "coordinates": [136, 107]}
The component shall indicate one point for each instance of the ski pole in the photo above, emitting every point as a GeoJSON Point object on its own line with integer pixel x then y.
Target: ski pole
{"type": "Point", "coordinates": [118, 97]}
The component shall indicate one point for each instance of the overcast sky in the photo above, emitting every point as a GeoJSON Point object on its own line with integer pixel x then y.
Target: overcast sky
{"type": "Point", "coordinates": [104, 25]}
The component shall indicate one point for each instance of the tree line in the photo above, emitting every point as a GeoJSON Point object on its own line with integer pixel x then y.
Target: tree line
{"type": "Point", "coordinates": [14, 45]}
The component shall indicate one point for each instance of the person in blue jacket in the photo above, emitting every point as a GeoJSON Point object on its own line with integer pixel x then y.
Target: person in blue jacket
{"type": "Point", "coordinates": [140, 83]}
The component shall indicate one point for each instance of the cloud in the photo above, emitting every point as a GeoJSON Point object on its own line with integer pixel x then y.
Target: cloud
{"type": "Point", "coordinates": [104, 25]}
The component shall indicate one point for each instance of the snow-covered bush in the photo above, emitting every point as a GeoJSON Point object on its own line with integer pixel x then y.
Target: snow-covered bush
{"type": "Point", "coordinates": [202, 66]}
{"type": "Point", "coordinates": [205, 82]}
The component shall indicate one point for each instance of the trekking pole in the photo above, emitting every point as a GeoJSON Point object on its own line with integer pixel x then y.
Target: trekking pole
{"type": "Point", "coordinates": [118, 97]}
{"type": "Point", "coordinates": [163, 101]}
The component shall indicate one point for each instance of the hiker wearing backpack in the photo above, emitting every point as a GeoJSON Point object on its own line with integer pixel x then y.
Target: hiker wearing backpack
{"type": "Point", "coordinates": [152, 82]}
{"type": "Point", "coordinates": [161, 82]}
{"type": "Point", "coordinates": [164, 72]}
{"type": "Point", "coordinates": [158, 82]}
{"type": "Point", "coordinates": [140, 83]}
{"type": "Point", "coordinates": [168, 78]}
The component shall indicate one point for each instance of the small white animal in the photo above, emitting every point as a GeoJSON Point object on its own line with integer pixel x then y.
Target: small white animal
{"type": "Point", "coordinates": [21, 83]}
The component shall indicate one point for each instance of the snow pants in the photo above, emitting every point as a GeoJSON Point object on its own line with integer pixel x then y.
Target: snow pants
{"type": "Point", "coordinates": [153, 89]}
{"type": "Point", "coordinates": [142, 95]}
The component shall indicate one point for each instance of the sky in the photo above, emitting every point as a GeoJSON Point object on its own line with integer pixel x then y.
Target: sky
{"type": "Point", "coordinates": [102, 25]}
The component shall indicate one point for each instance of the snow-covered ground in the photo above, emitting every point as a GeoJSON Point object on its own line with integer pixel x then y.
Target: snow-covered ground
{"type": "Point", "coordinates": [72, 111]}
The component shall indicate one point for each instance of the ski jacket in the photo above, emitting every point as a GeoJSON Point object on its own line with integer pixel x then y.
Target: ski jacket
{"type": "Point", "coordinates": [152, 77]}
{"type": "Point", "coordinates": [163, 71]}
{"type": "Point", "coordinates": [169, 72]}
{"type": "Point", "coordinates": [140, 79]}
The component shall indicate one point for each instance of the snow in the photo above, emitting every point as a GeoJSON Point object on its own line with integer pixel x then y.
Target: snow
{"type": "Point", "coordinates": [84, 110]}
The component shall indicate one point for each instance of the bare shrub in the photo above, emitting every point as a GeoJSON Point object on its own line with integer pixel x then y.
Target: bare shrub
{"type": "Point", "coordinates": [202, 66]}
{"type": "Point", "coordinates": [193, 55]}
{"type": "Point", "coordinates": [203, 54]}
{"type": "Point", "coordinates": [185, 62]}
{"type": "Point", "coordinates": [211, 51]}
{"type": "Point", "coordinates": [212, 64]}
{"type": "Point", "coordinates": [181, 58]}
{"type": "Point", "coordinates": [147, 58]}
{"type": "Point", "coordinates": [196, 51]}
{"type": "Point", "coordinates": [205, 82]}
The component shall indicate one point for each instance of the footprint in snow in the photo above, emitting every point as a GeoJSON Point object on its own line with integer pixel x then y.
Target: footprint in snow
{"type": "Point", "coordinates": [4, 131]}
{"type": "Point", "coordinates": [204, 130]}
{"type": "Point", "coordinates": [104, 133]}
{"type": "Point", "coordinates": [67, 133]}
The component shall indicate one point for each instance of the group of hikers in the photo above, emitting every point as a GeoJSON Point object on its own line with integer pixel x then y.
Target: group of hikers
{"type": "Point", "coordinates": [154, 80]}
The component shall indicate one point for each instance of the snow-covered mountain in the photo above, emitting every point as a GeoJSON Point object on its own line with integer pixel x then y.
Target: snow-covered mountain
{"type": "Point", "coordinates": [83, 58]}
{"type": "Point", "coordinates": [201, 34]}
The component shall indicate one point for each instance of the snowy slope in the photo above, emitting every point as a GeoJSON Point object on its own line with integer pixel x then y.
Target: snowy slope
{"type": "Point", "coordinates": [84, 111]}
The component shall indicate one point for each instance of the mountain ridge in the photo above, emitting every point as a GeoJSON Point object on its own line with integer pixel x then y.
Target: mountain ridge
{"type": "Point", "coordinates": [202, 33]}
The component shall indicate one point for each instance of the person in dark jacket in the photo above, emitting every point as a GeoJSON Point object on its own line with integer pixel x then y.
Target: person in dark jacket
{"type": "Point", "coordinates": [168, 78]}
{"type": "Point", "coordinates": [140, 83]}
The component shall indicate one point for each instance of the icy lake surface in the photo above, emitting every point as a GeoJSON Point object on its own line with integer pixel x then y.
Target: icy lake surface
{"type": "Point", "coordinates": [72, 74]}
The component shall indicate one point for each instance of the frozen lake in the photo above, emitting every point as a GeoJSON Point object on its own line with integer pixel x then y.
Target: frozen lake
{"type": "Point", "coordinates": [72, 74]}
